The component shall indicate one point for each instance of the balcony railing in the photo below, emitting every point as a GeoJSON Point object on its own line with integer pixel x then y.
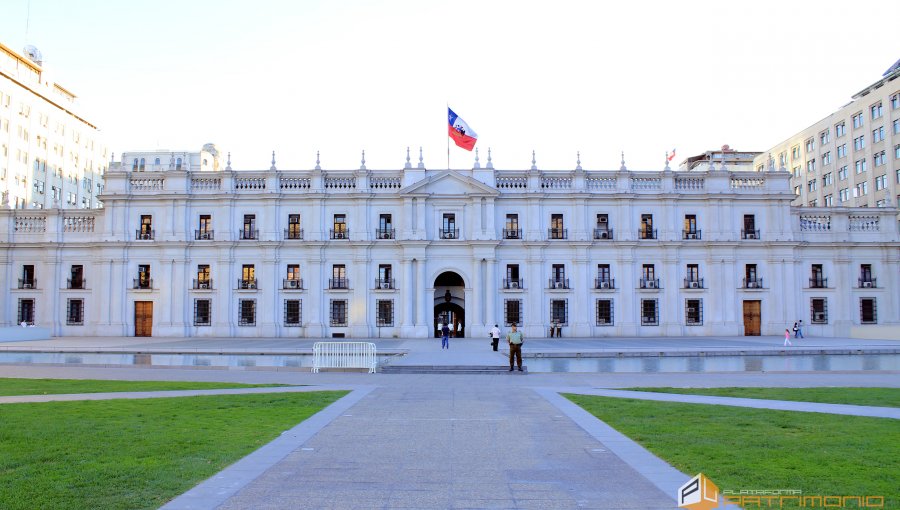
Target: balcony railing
{"type": "Point", "coordinates": [818, 283]}
{"type": "Point", "coordinates": [649, 283]}
{"type": "Point", "coordinates": [248, 235]}
{"type": "Point", "coordinates": [752, 283]}
{"type": "Point", "coordinates": [292, 284]}
{"type": "Point", "coordinates": [293, 233]}
{"type": "Point", "coordinates": [558, 283]}
{"type": "Point", "coordinates": [204, 235]}
{"type": "Point", "coordinates": [647, 233]}
{"type": "Point", "coordinates": [691, 234]}
{"type": "Point", "coordinates": [202, 284]}
{"type": "Point", "coordinates": [144, 235]}
{"type": "Point", "coordinates": [27, 283]}
{"type": "Point", "coordinates": [749, 234]}
{"type": "Point", "coordinates": [867, 283]}
{"type": "Point", "coordinates": [384, 283]}
{"type": "Point", "coordinates": [604, 283]}
{"type": "Point", "coordinates": [449, 233]}
{"type": "Point", "coordinates": [557, 233]}
{"type": "Point", "coordinates": [339, 234]}
{"type": "Point", "coordinates": [142, 283]}
{"type": "Point", "coordinates": [512, 233]}
{"type": "Point", "coordinates": [75, 283]}
{"type": "Point", "coordinates": [384, 233]}
{"type": "Point", "coordinates": [338, 283]}
{"type": "Point", "coordinates": [603, 234]}
{"type": "Point", "coordinates": [694, 283]}
{"type": "Point", "coordinates": [246, 284]}
{"type": "Point", "coordinates": [513, 283]}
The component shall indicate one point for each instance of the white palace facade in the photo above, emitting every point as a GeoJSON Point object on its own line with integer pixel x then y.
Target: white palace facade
{"type": "Point", "coordinates": [188, 248]}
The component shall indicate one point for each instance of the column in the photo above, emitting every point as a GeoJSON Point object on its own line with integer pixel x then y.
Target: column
{"type": "Point", "coordinates": [490, 294]}
{"type": "Point", "coordinates": [424, 303]}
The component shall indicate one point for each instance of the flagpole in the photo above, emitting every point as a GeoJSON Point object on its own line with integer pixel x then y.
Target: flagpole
{"type": "Point", "coordinates": [448, 142]}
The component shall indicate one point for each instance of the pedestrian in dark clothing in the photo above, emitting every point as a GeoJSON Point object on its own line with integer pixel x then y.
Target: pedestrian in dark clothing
{"type": "Point", "coordinates": [445, 337]}
{"type": "Point", "coordinates": [515, 339]}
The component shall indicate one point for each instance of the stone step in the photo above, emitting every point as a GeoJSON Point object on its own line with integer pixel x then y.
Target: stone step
{"type": "Point", "coordinates": [446, 369]}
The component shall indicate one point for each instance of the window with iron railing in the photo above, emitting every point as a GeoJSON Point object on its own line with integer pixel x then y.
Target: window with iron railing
{"type": "Point", "coordinates": [693, 312]}
{"type": "Point", "coordinates": [202, 312]}
{"type": "Point", "coordinates": [293, 312]}
{"type": "Point", "coordinates": [605, 312]}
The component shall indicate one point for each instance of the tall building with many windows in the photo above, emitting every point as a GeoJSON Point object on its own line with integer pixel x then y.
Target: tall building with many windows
{"type": "Point", "coordinates": [851, 158]}
{"type": "Point", "coordinates": [51, 156]}
{"type": "Point", "coordinates": [198, 250]}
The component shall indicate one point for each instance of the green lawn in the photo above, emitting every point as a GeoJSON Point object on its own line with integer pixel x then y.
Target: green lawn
{"type": "Point", "coordinates": [10, 386]}
{"type": "Point", "coordinates": [752, 449]}
{"type": "Point", "coordinates": [882, 397]}
{"type": "Point", "coordinates": [130, 454]}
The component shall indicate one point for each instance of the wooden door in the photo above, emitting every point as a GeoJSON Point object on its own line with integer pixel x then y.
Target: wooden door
{"type": "Point", "coordinates": [751, 318]}
{"type": "Point", "coordinates": [143, 318]}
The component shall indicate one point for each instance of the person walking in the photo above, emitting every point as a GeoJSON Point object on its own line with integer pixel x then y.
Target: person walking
{"type": "Point", "coordinates": [787, 337]}
{"type": "Point", "coordinates": [796, 330]}
{"type": "Point", "coordinates": [799, 329]}
{"type": "Point", "coordinates": [515, 340]}
{"type": "Point", "coordinates": [445, 337]}
{"type": "Point", "coordinates": [495, 337]}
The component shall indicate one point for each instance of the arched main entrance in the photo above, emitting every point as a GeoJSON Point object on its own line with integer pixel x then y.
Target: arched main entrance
{"type": "Point", "coordinates": [449, 303]}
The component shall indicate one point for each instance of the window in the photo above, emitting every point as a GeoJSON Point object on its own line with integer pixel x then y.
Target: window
{"type": "Point", "coordinates": [293, 312]}
{"type": "Point", "coordinates": [897, 154]}
{"type": "Point", "coordinates": [693, 312]}
{"type": "Point", "coordinates": [384, 312]}
{"type": "Point", "coordinates": [811, 185]}
{"type": "Point", "coordinates": [511, 229]}
{"type": "Point", "coordinates": [829, 200]}
{"type": "Point", "coordinates": [292, 277]}
{"type": "Point", "coordinates": [205, 230]}
{"type": "Point", "coordinates": [145, 232]}
{"type": "Point", "coordinates": [512, 280]}
{"type": "Point", "coordinates": [860, 166]}
{"type": "Point", "coordinates": [861, 189]}
{"type": "Point", "coordinates": [826, 158]}
{"type": "Point", "coordinates": [827, 179]}
{"type": "Point", "coordinates": [878, 135]}
{"type": "Point", "coordinates": [865, 276]}
{"type": "Point", "coordinates": [842, 173]}
{"type": "Point", "coordinates": [692, 276]}
{"type": "Point", "coordinates": [859, 143]}
{"type": "Point", "coordinates": [26, 312]}
{"type": "Point", "coordinates": [248, 277]}
{"type": "Point", "coordinates": [857, 120]}
{"type": "Point", "coordinates": [840, 129]}
{"type": "Point", "coordinates": [895, 126]}
{"type": "Point", "coordinates": [75, 312]}
{"type": "Point", "coordinates": [512, 312]}
{"type": "Point", "coordinates": [338, 310]}
{"type": "Point", "coordinates": [605, 312]}
{"type": "Point", "coordinates": [824, 137]}
{"type": "Point", "coordinates": [247, 312]}
{"type": "Point", "coordinates": [558, 277]}
{"type": "Point", "coordinates": [795, 152]}
{"type": "Point", "coordinates": [810, 145]}
{"type": "Point", "coordinates": [385, 227]}
{"type": "Point", "coordinates": [202, 312]}
{"type": "Point", "coordinates": [76, 277]}
{"type": "Point", "coordinates": [817, 277]}
{"type": "Point", "coordinates": [559, 311]}
{"type": "Point", "coordinates": [690, 227]}
{"type": "Point", "coordinates": [203, 280]}
{"type": "Point", "coordinates": [876, 110]}
{"type": "Point", "coordinates": [796, 171]}
{"type": "Point", "coordinates": [797, 190]}
{"type": "Point", "coordinates": [448, 226]}
{"type": "Point", "coordinates": [557, 230]}
{"type": "Point", "coordinates": [649, 312]}
{"type": "Point", "coordinates": [249, 229]}
{"type": "Point", "coordinates": [751, 281]}
{"type": "Point", "coordinates": [818, 310]}
{"type": "Point", "coordinates": [881, 182]}
{"type": "Point", "coordinates": [143, 280]}
{"type": "Point", "coordinates": [842, 150]}
{"type": "Point", "coordinates": [867, 311]}
{"type": "Point", "coordinates": [294, 231]}
{"type": "Point", "coordinates": [750, 231]}
{"type": "Point", "coordinates": [880, 158]}
{"type": "Point", "coordinates": [338, 277]}
{"type": "Point", "coordinates": [844, 194]}
{"type": "Point", "coordinates": [648, 277]}
{"type": "Point", "coordinates": [141, 168]}
{"type": "Point", "coordinates": [385, 278]}
{"type": "Point", "coordinates": [604, 276]}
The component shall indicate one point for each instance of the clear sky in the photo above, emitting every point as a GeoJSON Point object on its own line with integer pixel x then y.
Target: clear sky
{"type": "Point", "coordinates": [553, 76]}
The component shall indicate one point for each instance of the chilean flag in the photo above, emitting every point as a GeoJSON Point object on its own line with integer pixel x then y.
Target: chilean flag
{"type": "Point", "coordinates": [462, 135]}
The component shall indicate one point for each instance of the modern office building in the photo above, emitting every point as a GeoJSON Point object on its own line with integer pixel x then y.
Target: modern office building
{"type": "Point", "coordinates": [196, 249]}
{"type": "Point", "coordinates": [51, 156]}
{"type": "Point", "coordinates": [851, 158]}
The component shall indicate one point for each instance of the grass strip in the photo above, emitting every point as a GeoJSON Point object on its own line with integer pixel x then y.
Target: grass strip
{"type": "Point", "coordinates": [880, 397]}
{"type": "Point", "coordinates": [134, 454]}
{"type": "Point", "coordinates": [755, 449]}
{"type": "Point", "coordinates": [10, 386]}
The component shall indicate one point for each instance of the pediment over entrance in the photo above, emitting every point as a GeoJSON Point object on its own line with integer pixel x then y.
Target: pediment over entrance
{"type": "Point", "coordinates": [450, 182]}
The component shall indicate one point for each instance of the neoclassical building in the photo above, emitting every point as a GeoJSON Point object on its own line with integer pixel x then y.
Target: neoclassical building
{"type": "Point", "coordinates": [186, 246]}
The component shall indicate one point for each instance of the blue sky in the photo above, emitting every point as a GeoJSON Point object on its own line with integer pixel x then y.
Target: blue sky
{"type": "Point", "coordinates": [554, 77]}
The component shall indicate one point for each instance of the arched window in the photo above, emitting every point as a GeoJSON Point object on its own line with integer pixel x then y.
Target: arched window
{"type": "Point", "coordinates": [178, 164]}
{"type": "Point", "coordinates": [156, 161]}
{"type": "Point", "coordinates": [142, 165]}
{"type": "Point", "coordinates": [134, 166]}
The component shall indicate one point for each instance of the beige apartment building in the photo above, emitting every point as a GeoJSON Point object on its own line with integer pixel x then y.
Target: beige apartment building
{"type": "Point", "coordinates": [51, 156]}
{"type": "Point", "coordinates": [851, 158]}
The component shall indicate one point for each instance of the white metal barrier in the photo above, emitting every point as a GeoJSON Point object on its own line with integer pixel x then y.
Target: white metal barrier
{"type": "Point", "coordinates": [344, 355]}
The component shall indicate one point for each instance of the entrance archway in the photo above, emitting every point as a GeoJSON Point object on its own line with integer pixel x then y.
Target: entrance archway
{"type": "Point", "coordinates": [450, 303]}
